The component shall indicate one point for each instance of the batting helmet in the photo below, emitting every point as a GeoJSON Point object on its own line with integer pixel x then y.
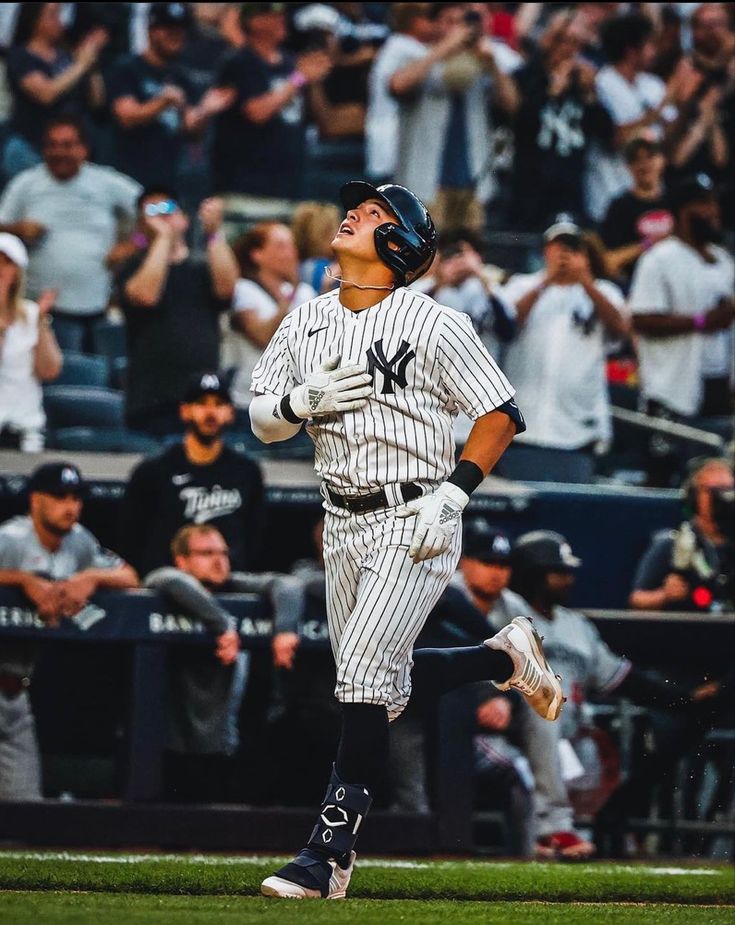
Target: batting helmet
{"type": "Point", "coordinates": [408, 247]}
{"type": "Point", "coordinates": [537, 553]}
{"type": "Point", "coordinates": [544, 550]}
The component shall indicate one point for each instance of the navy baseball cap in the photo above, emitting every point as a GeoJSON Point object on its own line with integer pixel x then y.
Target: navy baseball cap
{"type": "Point", "coordinates": [486, 543]}
{"type": "Point", "coordinates": [170, 14]}
{"type": "Point", "coordinates": [206, 384]}
{"type": "Point", "coordinates": [57, 479]}
{"type": "Point", "coordinates": [696, 188]}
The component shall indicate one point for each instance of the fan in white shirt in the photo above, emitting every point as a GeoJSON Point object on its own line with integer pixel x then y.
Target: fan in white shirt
{"type": "Point", "coordinates": [683, 307]}
{"type": "Point", "coordinates": [29, 354]}
{"type": "Point", "coordinates": [557, 360]}
{"type": "Point", "coordinates": [636, 99]}
{"type": "Point", "coordinates": [268, 291]}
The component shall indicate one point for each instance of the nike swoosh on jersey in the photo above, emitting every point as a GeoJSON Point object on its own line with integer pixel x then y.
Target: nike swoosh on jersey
{"type": "Point", "coordinates": [181, 479]}
{"type": "Point", "coordinates": [317, 330]}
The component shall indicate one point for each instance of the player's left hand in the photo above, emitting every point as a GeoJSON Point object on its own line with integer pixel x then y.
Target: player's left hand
{"type": "Point", "coordinates": [438, 515]}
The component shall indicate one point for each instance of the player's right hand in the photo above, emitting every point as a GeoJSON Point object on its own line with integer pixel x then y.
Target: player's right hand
{"type": "Point", "coordinates": [331, 389]}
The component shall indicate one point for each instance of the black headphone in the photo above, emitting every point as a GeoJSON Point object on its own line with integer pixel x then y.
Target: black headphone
{"type": "Point", "coordinates": [689, 489]}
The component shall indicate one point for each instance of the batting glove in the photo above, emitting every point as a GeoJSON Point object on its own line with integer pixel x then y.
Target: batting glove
{"type": "Point", "coordinates": [331, 390]}
{"type": "Point", "coordinates": [438, 515]}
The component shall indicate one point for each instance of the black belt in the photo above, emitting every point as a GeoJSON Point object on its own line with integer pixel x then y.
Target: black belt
{"type": "Point", "coordinates": [362, 504]}
{"type": "Point", "coordinates": [11, 685]}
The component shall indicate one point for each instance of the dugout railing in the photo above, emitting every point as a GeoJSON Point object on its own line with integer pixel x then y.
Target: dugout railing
{"type": "Point", "coordinates": [141, 624]}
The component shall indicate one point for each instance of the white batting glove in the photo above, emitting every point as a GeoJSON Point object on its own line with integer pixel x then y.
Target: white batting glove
{"type": "Point", "coordinates": [438, 515]}
{"type": "Point", "coordinates": [331, 390]}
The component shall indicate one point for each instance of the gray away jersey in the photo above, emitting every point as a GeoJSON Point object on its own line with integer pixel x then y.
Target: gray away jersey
{"type": "Point", "coordinates": [427, 364]}
{"type": "Point", "coordinates": [79, 550]}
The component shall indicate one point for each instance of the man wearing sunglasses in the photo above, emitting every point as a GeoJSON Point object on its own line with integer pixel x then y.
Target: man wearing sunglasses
{"type": "Point", "coordinates": [172, 302]}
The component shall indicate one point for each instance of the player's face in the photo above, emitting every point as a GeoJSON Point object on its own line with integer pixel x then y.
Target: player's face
{"type": "Point", "coordinates": [57, 515]}
{"type": "Point", "coordinates": [487, 579]}
{"type": "Point", "coordinates": [208, 558]}
{"type": "Point", "coordinates": [559, 586]}
{"type": "Point", "coordinates": [355, 235]}
{"type": "Point", "coordinates": [207, 417]}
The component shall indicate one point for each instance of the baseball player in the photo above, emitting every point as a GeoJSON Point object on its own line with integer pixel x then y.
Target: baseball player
{"type": "Point", "coordinates": [379, 372]}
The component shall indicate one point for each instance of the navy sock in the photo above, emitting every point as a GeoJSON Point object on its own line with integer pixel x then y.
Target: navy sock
{"type": "Point", "coordinates": [437, 671]}
{"type": "Point", "coordinates": [362, 756]}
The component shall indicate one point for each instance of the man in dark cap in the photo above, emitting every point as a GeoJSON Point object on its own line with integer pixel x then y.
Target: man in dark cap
{"type": "Point", "coordinates": [58, 565]}
{"type": "Point", "coordinates": [198, 480]}
{"type": "Point", "coordinates": [152, 100]}
{"type": "Point", "coordinates": [683, 307]}
{"type": "Point", "coordinates": [484, 573]}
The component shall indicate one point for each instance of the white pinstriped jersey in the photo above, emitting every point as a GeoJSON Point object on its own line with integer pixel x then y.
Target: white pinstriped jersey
{"type": "Point", "coordinates": [427, 363]}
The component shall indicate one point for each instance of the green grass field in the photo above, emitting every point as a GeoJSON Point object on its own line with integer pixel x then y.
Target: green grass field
{"type": "Point", "coordinates": [65, 888]}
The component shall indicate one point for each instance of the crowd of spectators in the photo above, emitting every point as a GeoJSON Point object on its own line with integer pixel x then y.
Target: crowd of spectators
{"type": "Point", "coordinates": [596, 136]}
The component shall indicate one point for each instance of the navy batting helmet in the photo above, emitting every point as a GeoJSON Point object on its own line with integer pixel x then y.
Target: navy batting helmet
{"type": "Point", "coordinates": [408, 247]}
{"type": "Point", "coordinates": [544, 550]}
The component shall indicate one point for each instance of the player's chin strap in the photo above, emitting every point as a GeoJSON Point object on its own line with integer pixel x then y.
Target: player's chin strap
{"type": "Point", "coordinates": [349, 282]}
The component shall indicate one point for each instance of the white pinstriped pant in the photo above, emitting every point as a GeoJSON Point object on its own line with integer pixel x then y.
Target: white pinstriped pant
{"type": "Point", "coordinates": [377, 602]}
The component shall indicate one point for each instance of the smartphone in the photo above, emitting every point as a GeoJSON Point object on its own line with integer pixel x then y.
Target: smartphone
{"type": "Point", "coordinates": [165, 207]}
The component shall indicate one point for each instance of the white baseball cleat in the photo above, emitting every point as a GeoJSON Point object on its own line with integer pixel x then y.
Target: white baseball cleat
{"type": "Point", "coordinates": [287, 889]}
{"type": "Point", "coordinates": [532, 676]}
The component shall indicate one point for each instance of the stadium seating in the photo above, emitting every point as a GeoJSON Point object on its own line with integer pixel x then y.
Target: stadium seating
{"type": "Point", "coordinates": [90, 419]}
{"type": "Point", "coordinates": [76, 405]}
{"type": "Point", "coordinates": [110, 343]}
{"type": "Point", "coordinates": [84, 370]}
{"type": "Point", "coordinates": [102, 440]}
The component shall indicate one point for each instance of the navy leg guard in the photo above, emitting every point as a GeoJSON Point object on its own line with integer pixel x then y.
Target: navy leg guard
{"type": "Point", "coordinates": [343, 809]}
{"type": "Point", "coordinates": [334, 836]}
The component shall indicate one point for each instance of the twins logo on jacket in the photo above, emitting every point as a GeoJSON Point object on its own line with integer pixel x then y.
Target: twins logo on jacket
{"type": "Point", "coordinates": [427, 363]}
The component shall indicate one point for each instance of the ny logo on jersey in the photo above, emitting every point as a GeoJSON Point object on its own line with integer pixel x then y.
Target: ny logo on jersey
{"type": "Point", "coordinates": [393, 369]}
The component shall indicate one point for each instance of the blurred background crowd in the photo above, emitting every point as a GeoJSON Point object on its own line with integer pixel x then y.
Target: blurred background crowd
{"type": "Point", "coordinates": [170, 174]}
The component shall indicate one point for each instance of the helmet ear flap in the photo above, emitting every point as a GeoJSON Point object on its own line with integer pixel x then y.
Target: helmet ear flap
{"type": "Point", "coordinates": [401, 257]}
